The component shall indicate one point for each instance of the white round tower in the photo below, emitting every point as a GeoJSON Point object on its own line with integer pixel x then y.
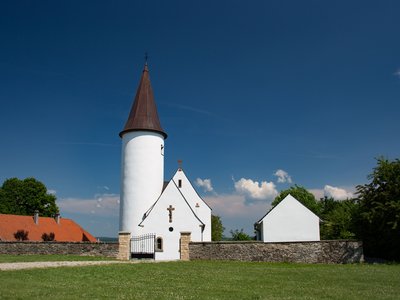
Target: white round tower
{"type": "Point", "coordinates": [142, 164]}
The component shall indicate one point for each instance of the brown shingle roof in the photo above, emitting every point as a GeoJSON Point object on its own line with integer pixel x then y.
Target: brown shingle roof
{"type": "Point", "coordinates": [143, 115]}
{"type": "Point", "coordinates": [66, 231]}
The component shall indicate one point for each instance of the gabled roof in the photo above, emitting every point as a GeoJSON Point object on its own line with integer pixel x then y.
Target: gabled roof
{"type": "Point", "coordinates": [148, 212]}
{"type": "Point", "coordinates": [66, 231]}
{"type": "Point", "coordinates": [288, 197]}
{"type": "Point", "coordinates": [191, 185]}
{"type": "Point", "coordinates": [143, 115]}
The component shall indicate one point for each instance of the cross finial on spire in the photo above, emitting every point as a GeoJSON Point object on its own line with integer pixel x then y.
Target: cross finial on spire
{"type": "Point", "coordinates": [179, 164]}
{"type": "Point", "coordinates": [146, 57]}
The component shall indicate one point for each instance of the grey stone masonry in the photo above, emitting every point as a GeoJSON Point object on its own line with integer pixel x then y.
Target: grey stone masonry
{"type": "Point", "coordinates": [63, 248]}
{"type": "Point", "coordinates": [335, 251]}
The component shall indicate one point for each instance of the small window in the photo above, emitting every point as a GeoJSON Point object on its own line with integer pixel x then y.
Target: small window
{"type": "Point", "coordinates": [159, 244]}
{"type": "Point", "coordinates": [180, 183]}
{"type": "Point", "coordinates": [171, 229]}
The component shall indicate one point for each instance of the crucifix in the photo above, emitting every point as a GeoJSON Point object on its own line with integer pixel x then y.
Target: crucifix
{"type": "Point", "coordinates": [170, 209]}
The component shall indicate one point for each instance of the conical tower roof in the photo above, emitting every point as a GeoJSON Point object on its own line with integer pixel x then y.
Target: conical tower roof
{"type": "Point", "coordinates": [143, 115]}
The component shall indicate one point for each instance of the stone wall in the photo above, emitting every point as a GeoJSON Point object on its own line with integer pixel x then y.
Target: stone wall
{"type": "Point", "coordinates": [80, 248]}
{"type": "Point", "coordinates": [338, 251]}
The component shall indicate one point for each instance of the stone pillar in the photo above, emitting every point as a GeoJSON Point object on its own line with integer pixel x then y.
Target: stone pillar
{"type": "Point", "coordinates": [184, 245]}
{"type": "Point", "coordinates": [124, 249]}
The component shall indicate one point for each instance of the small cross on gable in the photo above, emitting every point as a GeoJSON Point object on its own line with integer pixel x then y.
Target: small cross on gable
{"type": "Point", "coordinates": [170, 210]}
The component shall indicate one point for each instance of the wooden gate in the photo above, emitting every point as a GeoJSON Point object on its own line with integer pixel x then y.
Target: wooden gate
{"type": "Point", "coordinates": [143, 246]}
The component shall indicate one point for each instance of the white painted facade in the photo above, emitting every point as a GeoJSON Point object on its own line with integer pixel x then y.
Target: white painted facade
{"type": "Point", "coordinates": [289, 221]}
{"type": "Point", "coordinates": [145, 208]}
{"type": "Point", "coordinates": [197, 204]}
{"type": "Point", "coordinates": [144, 205]}
{"type": "Point", "coordinates": [142, 176]}
{"type": "Point", "coordinates": [190, 213]}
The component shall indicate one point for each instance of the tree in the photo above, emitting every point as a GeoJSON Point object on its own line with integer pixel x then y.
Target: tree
{"type": "Point", "coordinates": [24, 197]}
{"type": "Point", "coordinates": [240, 235]}
{"type": "Point", "coordinates": [217, 229]}
{"type": "Point", "coordinates": [302, 195]}
{"type": "Point", "coordinates": [337, 218]}
{"type": "Point", "coordinates": [378, 218]}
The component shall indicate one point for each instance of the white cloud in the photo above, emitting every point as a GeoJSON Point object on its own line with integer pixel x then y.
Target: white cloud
{"type": "Point", "coordinates": [51, 192]}
{"type": "Point", "coordinates": [336, 193]}
{"type": "Point", "coordinates": [283, 176]}
{"type": "Point", "coordinates": [205, 184]}
{"type": "Point", "coordinates": [104, 204]}
{"type": "Point", "coordinates": [235, 209]}
{"type": "Point", "coordinates": [255, 190]}
{"type": "Point", "coordinates": [236, 212]}
{"type": "Point", "coordinates": [233, 205]}
{"type": "Point", "coordinates": [397, 73]}
{"type": "Point", "coordinates": [318, 193]}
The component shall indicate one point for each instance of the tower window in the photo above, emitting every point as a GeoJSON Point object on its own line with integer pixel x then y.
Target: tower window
{"type": "Point", "coordinates": [159, 244]}
{"type": "Point", "coordinates": [180, 183]}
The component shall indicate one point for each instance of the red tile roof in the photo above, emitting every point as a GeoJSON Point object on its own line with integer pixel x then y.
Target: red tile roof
{"type": "Point", "coordinates": [66, 231]}
{"type": "Point", "coordinates": [143, 115]}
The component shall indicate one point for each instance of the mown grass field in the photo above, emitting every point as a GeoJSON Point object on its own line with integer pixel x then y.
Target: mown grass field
{"type": "Point", "coordinates": [204, 280]}
{"type": "Point", "coordinates": [29, 258]}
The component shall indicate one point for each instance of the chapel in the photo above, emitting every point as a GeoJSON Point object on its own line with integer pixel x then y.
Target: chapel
{"type": "Point", "coordinates": [152, 210]}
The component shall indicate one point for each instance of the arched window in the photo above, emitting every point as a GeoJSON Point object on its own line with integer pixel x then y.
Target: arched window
{"type": "Point", "coordinates": [159, 244]}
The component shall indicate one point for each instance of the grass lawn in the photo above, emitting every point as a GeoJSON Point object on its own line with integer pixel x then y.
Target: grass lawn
{"type": "Point", "coordinates": [205, 280]}
{"type": "Point", "coordinates": [6, 258]}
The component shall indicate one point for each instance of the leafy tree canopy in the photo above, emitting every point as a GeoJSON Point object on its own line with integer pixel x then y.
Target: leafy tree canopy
{"type": "Point", "coordinates": [240, 235]}
{"type": "Point", "coordinates": [379, 213]}
{"type": "Point", "coordinates": [337, 218]}
{"type": "Point", "coordinates": [217, 229]}
{"type": "Point", "coordinates": [24, 197]}
{"type": "Point", "coordinates": [302, 195]}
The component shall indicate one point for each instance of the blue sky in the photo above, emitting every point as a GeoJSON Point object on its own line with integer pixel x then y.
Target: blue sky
{"type": "Point", "coordinates": [307, 90]}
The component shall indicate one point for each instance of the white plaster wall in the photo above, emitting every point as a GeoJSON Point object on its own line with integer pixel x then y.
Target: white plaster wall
{"type": "Point", "coordinates": [182, 220]}
{"type": "Point", "coordinates": [202, 210]}
{"type": "Point", "coordinates": [290, 221]}
{"type": "Point", "coordinates": [142, 176]}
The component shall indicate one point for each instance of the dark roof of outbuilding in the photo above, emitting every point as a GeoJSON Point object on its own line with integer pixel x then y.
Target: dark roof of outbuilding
{"type": "Point", "coordinates": [143, 115]}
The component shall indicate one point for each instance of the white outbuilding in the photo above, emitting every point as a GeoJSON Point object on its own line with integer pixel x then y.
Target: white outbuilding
{"type": "Point", "coordinates": [288, 221]}
{"type": "Point", "coordinates": [155, 212]}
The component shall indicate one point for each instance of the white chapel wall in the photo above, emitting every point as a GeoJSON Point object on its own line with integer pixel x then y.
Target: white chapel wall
{"type": "Point", "coordinates": [183, 219]}
{"type": "Point", "coordinates": [290, 221]}
{"type": "Point", "coordinates": [202, 210]}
